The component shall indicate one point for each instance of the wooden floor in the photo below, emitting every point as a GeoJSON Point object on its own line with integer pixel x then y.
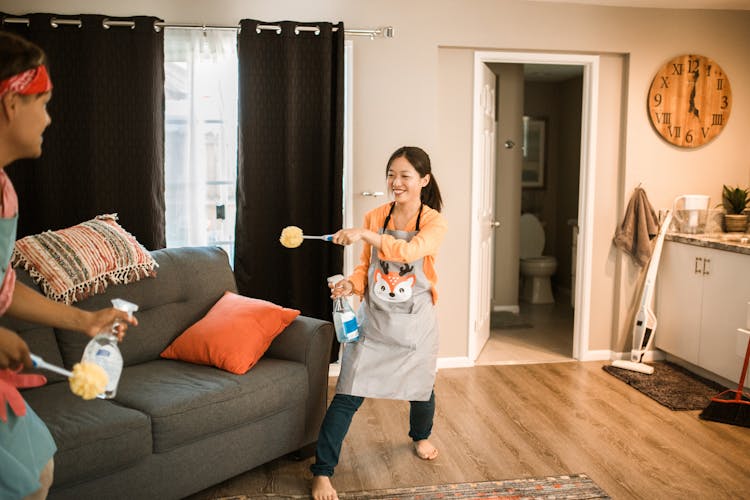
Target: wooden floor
{"type": "Point", "coordinates": [517, 421]}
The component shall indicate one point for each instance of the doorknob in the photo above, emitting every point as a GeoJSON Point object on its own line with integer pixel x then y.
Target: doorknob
{"type": "Point", "coordinates": [374, 194]}
{"type": "Point", "coordinates": [509, 144]}
{"type": "Point", "coordinates": [495, 224]}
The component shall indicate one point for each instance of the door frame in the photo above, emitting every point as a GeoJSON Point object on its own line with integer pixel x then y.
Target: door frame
{"type": "Point", "coordinates": [589, 108]}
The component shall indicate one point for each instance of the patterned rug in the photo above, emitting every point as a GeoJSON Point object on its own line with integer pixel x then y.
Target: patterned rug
{"type": "Point", "coordinates": [670, 385]}
{"type": "Point", "coordinates": [571, 487]}
{"type": "Point", "coordinates": [506, 320]}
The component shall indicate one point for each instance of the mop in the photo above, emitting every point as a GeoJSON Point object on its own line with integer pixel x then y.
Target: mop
{"type": "Point", "coordinates": [731, 407]}
{"type": "Point", "coordinates": [645, 320]}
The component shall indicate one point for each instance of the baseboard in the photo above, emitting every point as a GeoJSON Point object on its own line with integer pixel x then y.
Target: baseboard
{"type": "Point", "coordinates": [515, 309]}
{"type": "Point", "coordinates": [455, 362]}
{"type": "Point", "coordinates": [442, 363]}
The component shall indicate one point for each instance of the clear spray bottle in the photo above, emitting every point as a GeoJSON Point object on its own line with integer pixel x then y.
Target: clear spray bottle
{"type": "Point", "coordinates": [103, 351]}
{"type": "Point", "coordinates": [344, 319]}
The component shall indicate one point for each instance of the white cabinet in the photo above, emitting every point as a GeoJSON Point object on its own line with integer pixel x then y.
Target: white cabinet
{"type": "Point", "coordinates": [701, 300]}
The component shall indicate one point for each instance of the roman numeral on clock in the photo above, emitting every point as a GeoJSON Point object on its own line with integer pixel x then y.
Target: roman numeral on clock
{"type": "Point", "coordinates": [665, 118]}
{"type": "Point", "coordinates": [718, 119]}
{"type": "Point", "coordinates": [674, 131]}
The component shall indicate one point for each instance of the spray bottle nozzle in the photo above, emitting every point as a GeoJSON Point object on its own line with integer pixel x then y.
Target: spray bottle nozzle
{"type": "Point", "coordinates": [124, 305]}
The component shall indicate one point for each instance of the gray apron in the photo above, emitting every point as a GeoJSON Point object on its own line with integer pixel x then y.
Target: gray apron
{"type": "Point", "coordinates": [396, 355]}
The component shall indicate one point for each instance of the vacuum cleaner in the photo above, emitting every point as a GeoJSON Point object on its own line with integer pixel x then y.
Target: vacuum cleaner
{"type": "Point", "coordinates": [645, 319]}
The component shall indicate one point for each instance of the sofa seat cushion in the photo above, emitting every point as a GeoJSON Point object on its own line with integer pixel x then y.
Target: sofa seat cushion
{"type": "Point", "coordinates": [93, 437]}
{"type": "Point", "coordinates": [188, 402]}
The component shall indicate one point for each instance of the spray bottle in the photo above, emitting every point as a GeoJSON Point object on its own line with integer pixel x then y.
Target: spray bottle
{"type": "Point", "coordinates": [344, 319]}
{"type": "Point", "coordinates": [103, 351]}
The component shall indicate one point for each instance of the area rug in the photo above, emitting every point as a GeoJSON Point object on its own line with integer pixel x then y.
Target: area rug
{"type": "Point", "coordinates": [506, 320]}
{"type": "Point", "coordinates": [670, 385]}
{"type": "Point", "coordinates": [571, 487]}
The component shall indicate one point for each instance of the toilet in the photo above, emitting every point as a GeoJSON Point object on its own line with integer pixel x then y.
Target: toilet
{"type": "Point", "coordinates": [536, 269]}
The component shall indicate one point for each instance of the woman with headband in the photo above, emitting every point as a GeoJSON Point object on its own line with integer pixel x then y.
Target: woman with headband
{"type": "Point", "coordinates": [26, 446]}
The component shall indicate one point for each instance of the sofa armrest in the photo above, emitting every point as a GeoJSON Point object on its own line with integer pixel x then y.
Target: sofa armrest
{"type": "Point", "coordinates": [308, 341]}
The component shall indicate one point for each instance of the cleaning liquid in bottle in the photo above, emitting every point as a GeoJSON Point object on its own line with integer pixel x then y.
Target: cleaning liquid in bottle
{"type": "Point", "coordinates": [344, 319]}
{"type": "Point", "coordinates": [103, 351]}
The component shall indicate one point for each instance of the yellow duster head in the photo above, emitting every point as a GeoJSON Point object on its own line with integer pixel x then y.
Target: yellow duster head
{"type": "Point", "coordinates": [88, 380]}
{"type": "Point", "coordinates": [291, 237]}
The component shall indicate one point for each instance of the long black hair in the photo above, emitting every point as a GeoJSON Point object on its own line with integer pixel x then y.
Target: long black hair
{"type": "Point", "coordinates": [430, 194]}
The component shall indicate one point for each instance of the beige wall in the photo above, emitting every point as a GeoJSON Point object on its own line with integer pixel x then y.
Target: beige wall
{"type": "Point", "coordinates": [402, 84]}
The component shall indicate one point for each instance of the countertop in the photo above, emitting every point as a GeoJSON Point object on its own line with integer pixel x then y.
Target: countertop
{"type": "Point", "coordinates": [731, 242]}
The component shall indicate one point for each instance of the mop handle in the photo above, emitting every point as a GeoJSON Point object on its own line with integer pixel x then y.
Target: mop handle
{"type": "Point", "coordinates": [744, 366]}
{"type": "Point", "coordinates": [325, 237]}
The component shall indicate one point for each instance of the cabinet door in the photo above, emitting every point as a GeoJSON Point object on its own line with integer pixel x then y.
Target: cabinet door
{"type": "Point", "coordinates": [726, 292]}
{"type": "Point", "coordinates": [678, 300]}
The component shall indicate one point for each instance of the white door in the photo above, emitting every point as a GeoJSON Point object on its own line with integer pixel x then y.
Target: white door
{"type": "Point", "coordinates": [484, 193]}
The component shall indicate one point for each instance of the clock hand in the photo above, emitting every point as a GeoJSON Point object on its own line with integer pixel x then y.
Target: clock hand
{"type": "Point", "coordinates": [692, 108]}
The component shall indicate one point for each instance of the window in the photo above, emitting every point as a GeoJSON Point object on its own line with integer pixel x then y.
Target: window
{"type": "Point", "coordinates": [200, 137]}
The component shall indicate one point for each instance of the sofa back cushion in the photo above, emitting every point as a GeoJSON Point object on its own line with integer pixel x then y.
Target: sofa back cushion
{"type": "Point", "coordinates": [188, 282]}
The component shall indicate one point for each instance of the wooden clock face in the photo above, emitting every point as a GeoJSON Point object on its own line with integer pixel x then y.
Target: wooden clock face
{"type": "Point", "coordinates": [690, 100]}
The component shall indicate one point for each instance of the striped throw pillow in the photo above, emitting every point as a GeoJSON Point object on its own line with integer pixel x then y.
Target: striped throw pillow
{"type": "Point", "coordinates": [74, 263]}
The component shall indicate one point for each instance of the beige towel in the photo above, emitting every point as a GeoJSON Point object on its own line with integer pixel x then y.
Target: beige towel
{"type": "Point", "coordinates": [638, 227]}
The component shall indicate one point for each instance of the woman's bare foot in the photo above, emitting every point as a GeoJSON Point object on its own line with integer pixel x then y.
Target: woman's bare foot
{"type": "Point", "coordinates": [322, 489]}
{"type": "Point", "coordinates": [425, 450]}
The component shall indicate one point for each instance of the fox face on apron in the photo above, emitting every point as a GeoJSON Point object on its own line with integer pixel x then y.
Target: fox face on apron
{"type": "Point", "coordinates": [396, 355]}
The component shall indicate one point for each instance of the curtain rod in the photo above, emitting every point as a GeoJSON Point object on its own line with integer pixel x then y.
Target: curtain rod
{"type": "Point", "coordinates": [382, 32]}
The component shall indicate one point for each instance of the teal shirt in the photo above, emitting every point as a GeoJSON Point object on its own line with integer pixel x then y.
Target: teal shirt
{"type": "Point", "coordinates": [26, 444]}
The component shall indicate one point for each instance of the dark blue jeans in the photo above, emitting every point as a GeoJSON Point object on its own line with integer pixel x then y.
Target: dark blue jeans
{"type": "Point", "coordinates": [338, 418]}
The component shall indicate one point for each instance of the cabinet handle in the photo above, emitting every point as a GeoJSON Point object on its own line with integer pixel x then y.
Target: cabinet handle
{"type": "Point", "coordinates": [697, 269]}
{"type": "Point", "coordinates": [706, 267]}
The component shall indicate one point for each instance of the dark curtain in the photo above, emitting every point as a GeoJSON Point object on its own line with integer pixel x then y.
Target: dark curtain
{"type": "Point", "coordinates": [104, 152]}
{"type": "Point", "coordinates": [290, 167]}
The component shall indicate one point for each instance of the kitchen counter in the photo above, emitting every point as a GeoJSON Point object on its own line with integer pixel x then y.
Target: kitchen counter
{"type": "Point", "coordinates": [731, 242]}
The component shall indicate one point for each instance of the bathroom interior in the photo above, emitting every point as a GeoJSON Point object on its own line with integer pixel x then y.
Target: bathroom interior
{"type": "Point", "coordinates": [542, 331]}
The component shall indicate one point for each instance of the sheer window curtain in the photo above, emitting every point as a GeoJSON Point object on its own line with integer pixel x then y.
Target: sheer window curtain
{"type": "Point", "coordinates": [201, 137]}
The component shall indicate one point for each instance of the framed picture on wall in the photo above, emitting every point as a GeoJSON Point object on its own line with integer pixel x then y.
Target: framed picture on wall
{"type": "Point", "coordinates": [534, 141]}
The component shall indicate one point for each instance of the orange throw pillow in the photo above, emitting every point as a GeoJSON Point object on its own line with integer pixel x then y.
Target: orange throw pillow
{"type": "Point", "coordinates": [233, 335]}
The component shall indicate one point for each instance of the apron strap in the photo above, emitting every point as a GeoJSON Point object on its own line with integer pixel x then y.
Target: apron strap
{"type": "Point", "coordinates": [388, 218]}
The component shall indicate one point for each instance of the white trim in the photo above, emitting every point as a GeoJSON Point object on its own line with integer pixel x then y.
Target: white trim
{"type": "Point", "coordinates": [348, 152]}
{"type": "Point", "coordinates": [513, 309]}
{"type": "Point", "coordinates": [454, 362]}
{"type": "Point", "coordinates": [586, 197]}
{"type": "Point", "coordinates": [442, 363]}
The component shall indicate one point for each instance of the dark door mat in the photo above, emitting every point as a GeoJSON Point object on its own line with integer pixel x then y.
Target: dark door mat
{"type": "Point", "coordinates": [506, 320]}
{"type": "Point", "coordinates": [670, 385]}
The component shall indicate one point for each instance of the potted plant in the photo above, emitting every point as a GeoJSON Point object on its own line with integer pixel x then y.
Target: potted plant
{"type": "Point", "coordinates": [735, 201]}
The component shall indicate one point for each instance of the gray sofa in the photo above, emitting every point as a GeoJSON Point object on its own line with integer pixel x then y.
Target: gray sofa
{"type": "Point", "coordinates": [176, 428]}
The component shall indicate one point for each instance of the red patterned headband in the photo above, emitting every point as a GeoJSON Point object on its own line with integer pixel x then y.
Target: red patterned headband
{"type": "Point", "coordinates": [30, 82]}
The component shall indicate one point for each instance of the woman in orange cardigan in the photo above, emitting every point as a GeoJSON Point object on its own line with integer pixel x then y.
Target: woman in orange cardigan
{"type": "Point", "coordinates": [396, 355]}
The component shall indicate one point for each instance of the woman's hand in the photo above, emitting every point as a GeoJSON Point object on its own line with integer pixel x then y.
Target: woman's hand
{"type": "Point", "coordinates": [355, 234]}
{"type": "Point", "coordinates": [14, 352]}
{"type": "Point", "coordinates": [102, 320]}
{"type": "Point", "coordinates": [341, 288]}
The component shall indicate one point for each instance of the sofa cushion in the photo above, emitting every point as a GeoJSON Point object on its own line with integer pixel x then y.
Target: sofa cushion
{"type": "Point", "coordinates": [233, 335]}
{"type": "Point", "coordinates": [189, 282]}
{"type": "Point", "coordinates": [71, 264]}
{"type": "Point", "coordinates": [188, 402]}
{"type": "Point", "coordinates": [93, 437]}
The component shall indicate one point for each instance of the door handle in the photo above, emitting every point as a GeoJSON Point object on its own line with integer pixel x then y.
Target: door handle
{"type": "Point", "coordinates": [698, 270]}
{"type": "Point", "coordinates": [495, 224]}
{"type": "Point", "coordinates": [374, 194]}
{"type": "Point", "coordinates": [706, 267]}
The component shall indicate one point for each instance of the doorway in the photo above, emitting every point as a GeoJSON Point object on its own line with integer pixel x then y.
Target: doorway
{"type": "Point", "coordinates": [483, 175]}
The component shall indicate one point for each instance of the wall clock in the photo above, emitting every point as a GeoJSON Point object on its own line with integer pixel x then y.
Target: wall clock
{"type": "Point", "coordinates": [689, 100]}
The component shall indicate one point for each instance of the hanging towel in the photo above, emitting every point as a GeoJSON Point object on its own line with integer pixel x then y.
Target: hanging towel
{"type": "Point", "coordinates": [638, 227]}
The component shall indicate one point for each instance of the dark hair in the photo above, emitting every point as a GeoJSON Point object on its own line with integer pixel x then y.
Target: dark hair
{"type": "Point", "coordinates": [420, 160]}
{"type": "Point", "coordinates": [18, 55]}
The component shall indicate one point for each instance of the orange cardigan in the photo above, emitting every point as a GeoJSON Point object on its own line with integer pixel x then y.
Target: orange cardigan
{"type": "Point", "coordinates": [425, 243]}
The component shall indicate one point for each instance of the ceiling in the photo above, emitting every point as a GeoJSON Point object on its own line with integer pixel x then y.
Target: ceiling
{"type": "Point", "coordinates": [666, 4]}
